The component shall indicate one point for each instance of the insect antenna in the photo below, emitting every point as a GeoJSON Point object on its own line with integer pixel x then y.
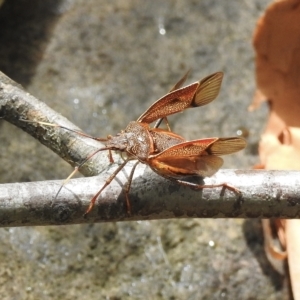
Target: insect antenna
{"type": "Point", "coordinates": [79, 166]}
{"type": "Point", "coordinates": [76, 168]}
{"type": "Point", "coordinates": [66, 128]}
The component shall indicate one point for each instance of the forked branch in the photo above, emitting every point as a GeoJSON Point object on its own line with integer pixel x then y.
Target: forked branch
{"type": "Point", "coordinates": [265, 194]}
{"type": "Point", "coordinates": [16, 104]}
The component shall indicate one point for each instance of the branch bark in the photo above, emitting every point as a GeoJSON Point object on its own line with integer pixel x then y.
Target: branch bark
{"type": "Point", "coordinates": [265, 194]}
{"type": "Point", "coordinates": [16, 104]}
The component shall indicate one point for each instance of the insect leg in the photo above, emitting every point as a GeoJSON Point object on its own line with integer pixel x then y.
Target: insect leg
{"type": "Point", "coordinates": [204, 186]}
{"type": "Point", "coordinates": [107, 182]}
{"type": "Point", "coordinates": [77, 168]}
{"type": "Point", "coordinates": [111, 160]}
{"type": "Point", "coordinates": [127, 188]}
{"type": "Point", "coordinates": [157, 124]}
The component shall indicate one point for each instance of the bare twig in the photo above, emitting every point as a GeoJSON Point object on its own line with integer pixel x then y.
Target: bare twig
{"type": "Point", "coordinates": [265, 194]}
{"type": "Point", "coordinates": [16, 104]}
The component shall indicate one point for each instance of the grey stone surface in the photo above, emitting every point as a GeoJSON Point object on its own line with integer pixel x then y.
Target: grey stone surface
{"type": "Point", "coordinates": [101, 64]}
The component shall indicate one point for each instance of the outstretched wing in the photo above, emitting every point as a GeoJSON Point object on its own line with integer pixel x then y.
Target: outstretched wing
{"type": "Point", "coordinates": [194, 95]}
{"type": "Point", "coordinates": [198, 157]}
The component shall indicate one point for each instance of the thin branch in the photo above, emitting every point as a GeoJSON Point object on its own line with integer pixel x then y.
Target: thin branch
{"type": "Point", "coordinates": [16, 104]}
{"type": "Point", "coordinates": [264, 194]}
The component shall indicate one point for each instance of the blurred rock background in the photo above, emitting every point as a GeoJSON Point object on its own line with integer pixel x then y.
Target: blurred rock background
{"type": "Point", "coordinates": [101, 64]}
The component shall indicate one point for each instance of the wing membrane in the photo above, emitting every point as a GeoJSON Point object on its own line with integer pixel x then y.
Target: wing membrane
{"type": "Point", "coordinates": [226, 146]}
{"type": "Point", "coordinates": [208, 89]}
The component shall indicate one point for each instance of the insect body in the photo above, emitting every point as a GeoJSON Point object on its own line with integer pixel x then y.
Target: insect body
{"type": "Point", "coordinates": [167, 153]}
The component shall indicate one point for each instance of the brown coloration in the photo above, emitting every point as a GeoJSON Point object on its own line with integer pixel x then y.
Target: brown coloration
{"type": "Point", "coordinates": [193, 95]}
{"type": "Point", "coordinates": [165, 152]}
{"type": "Point", "coordinates": [277, 41]}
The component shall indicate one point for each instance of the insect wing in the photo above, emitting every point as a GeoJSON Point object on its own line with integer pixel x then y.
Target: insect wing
{"type": "Point", "coordinates": [186, 159]}
{"type": "Point", "coordinates": [208, 89]}
{"type": "Point", "coordinates": [225, 146]}
{"type": "Point", "coordinates": [194, 95]}
{"type": "Point", "coordinates": [187, 149]}
{"type": "Point", "coordinates": [169, 104]}
{"type": "Point", "coordinates": [204, 166]}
